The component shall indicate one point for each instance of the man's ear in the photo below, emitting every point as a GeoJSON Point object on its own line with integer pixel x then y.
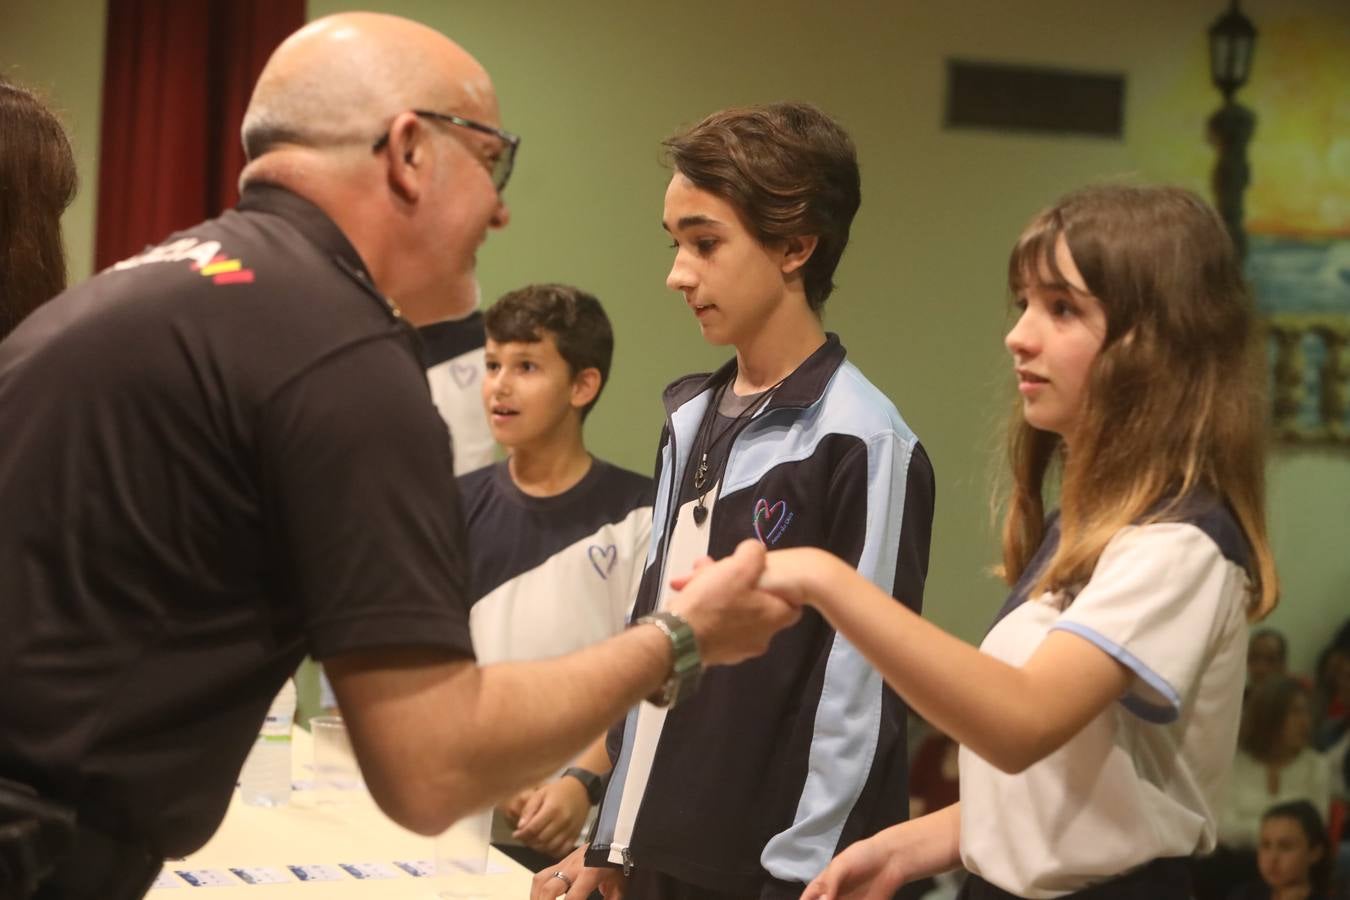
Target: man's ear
{"type": "Point", "coordinates": [404, 156]}
{"type": "Point", "coordinates": [796, 251]}
{"type": "Point", "coordinates": [585, 387]}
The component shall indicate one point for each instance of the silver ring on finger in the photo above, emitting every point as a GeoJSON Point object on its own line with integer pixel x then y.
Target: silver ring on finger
{"type": "Point", "coordinates": [565, 880]}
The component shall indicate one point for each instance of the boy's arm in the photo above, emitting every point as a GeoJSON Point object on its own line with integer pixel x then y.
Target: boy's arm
{"type": "Point", "coordinates": [879, 520]}
{"type": "Point", "coordinates": [550, 820]}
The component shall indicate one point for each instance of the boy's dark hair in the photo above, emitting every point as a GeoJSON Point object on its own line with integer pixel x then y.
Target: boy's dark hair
{"type": "Point", "coordinates": [577, 321]}
{"type": "Point", "coordinates": [1310, 821]}
{"type": "Point", "coordinates": [788, 168]}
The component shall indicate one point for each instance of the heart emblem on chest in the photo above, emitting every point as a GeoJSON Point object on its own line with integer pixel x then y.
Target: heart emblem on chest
{"type": "Point", "coordinates": [603, 558]}
{"type": "Point", "coordinates": [464, 374]}
{"type": "Point", "coordinates": [771, 520]}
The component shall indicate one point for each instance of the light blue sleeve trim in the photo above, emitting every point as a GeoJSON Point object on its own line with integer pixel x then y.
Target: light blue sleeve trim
{"type": "Point", "coordinates": [1149, 712]}
{"type": "Point", "coordinates": [848, 715]}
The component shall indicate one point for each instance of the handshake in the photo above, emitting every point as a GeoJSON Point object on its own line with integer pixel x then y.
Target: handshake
{"type": "Point", "coordinates": [736, 605]}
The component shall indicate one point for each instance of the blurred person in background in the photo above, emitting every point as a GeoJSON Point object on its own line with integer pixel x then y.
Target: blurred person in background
{"type": "Point", "coordinates": [37, 183]}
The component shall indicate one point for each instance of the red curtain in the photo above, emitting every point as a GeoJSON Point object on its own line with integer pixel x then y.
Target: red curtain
{"type": "Point", "coordinates": [176, 81]}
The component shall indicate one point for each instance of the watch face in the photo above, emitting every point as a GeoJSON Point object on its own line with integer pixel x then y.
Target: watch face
{"type": "Point", "coordinates": [686, 667]}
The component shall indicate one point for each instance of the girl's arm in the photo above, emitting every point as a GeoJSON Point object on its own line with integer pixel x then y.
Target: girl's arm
{"type": "Point", "coordinates": [1012, 717]}
{"type": "Point", "coordinates": [876, 867]}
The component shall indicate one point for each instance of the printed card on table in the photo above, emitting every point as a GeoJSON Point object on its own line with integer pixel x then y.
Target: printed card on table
{"type": "Point", "coordinates": [260, 875]}
{"type": "Point", "coordinates": [316, 872]}
{"type": "Point", "coordinates": [166, 879]}
{"type": "Point", "coordinates": [417, 868]}
{"type": "Point", "coordinates": [205, 877]}
{"type": "Point", "coordinates": [368, 870]}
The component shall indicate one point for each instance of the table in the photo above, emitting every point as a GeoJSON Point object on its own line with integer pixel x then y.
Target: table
{"type": "Point", "coordinates": [327, 829]}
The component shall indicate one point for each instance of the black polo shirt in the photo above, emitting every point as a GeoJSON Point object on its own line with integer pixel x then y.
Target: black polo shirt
{"type": "Point", "coordinates": [215, 457]}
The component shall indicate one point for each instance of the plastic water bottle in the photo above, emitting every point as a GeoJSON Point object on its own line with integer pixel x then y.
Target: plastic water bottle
{"type": "Point", "coordinates": [266, 777]}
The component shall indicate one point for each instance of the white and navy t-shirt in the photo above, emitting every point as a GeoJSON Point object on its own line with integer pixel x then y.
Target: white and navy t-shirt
{"type": "Point", "coordinates": [552, 575]}
{"type": "Point", "coordinates": [1146, 777]}
{"type": "Point", "coordinates": [453, 355]}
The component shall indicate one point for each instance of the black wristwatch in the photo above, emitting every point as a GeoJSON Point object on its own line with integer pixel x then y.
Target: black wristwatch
{"type": "Point", "coordinates": [593, 783]}
{"type": "Point", "coordinates": [687, 668]}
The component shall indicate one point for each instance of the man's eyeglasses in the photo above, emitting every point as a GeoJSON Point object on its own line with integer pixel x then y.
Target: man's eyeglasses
{"type": "Point", "coordinates": [501, 166]}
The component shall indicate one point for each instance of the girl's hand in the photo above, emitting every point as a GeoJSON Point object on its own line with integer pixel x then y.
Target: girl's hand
{"type": "Point", "coordinates": [791, 574]}
{"type": "Point", "coordinates": [867, 870]}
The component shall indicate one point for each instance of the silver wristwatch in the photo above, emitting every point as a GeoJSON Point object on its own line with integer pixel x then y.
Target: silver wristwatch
{"type": "Point", "coordinates": [687, 667]}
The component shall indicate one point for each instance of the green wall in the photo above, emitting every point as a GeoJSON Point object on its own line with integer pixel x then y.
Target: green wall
{"type": "Point", "coordinates": [594, 86]}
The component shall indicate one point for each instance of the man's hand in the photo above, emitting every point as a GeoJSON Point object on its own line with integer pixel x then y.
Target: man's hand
{"type": "Point", "coordinates": [552, 816]}
{"type": "Point", "coordinates": [571, 879]}
{"type": "Point", "coordinates": [731, 620]}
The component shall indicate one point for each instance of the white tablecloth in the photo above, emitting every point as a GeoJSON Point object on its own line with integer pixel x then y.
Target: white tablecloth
{"type": "Point", "coordinates": [330, 829]}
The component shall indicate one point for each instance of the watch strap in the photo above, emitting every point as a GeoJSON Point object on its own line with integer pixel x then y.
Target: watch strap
{"type": "Point", "coordinates": [686, 668]}
{"type": "Point", "coordinates": [593, 783]}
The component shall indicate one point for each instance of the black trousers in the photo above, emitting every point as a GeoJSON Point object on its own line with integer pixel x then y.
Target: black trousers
{"type": "Point", "coordinates": [1162, 879]}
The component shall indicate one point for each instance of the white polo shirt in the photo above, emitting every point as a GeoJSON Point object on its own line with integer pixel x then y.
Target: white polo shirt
{"type": "Point", "coordinates": [1145, 779]}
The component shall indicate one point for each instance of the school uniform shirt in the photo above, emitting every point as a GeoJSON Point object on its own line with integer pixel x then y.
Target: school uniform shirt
{"type": "Point", "coordinates": [553, 574]}
{"type": "Point", "coordinates": [1146, 777]}
{"type": "Point", "coordinates": [775, 764]}
{"type": "Point", "coordinates": [452, 351]}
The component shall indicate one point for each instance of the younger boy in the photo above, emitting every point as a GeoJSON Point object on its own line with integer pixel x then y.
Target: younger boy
{"type": "Point", "coordinates": [753, 784]}
{"type": "Point", "coordinates": [558, 538]}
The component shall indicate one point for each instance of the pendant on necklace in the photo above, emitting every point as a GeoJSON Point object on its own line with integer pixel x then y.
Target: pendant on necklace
{"type": "Point", "coordinates": [700, 511]}
{"type": "Point", "coordinates": [701, 473]}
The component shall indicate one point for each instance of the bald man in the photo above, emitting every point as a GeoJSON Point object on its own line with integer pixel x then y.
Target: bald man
{"type": "Point", "coordinates": [221, 454]}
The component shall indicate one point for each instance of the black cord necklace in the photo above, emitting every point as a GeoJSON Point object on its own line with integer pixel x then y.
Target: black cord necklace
{"type": "Point", "coordinates": [709, 442]}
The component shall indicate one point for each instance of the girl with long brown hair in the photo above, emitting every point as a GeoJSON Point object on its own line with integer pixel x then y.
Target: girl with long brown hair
{"type": "Point", "coordinates": [1100, 714]}
{"type": "Point", "coordinates": [37, 183]}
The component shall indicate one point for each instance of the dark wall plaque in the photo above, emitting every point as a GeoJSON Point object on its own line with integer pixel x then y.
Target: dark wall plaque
{"type": "Point", "coordinates": [1030, 98]}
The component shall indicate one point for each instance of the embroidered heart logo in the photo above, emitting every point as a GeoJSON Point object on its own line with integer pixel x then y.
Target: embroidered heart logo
{"type": "Point", "coordinates": [770, 520]}
{"type": "Point", "coordinates": [603, 558]}
{"type": "Point", "coordinates": [464, 374]}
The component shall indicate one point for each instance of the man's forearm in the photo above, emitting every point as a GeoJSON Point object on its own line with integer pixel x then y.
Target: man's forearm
{"type": "Point", "coordinates": [563, 706]}
{"type": "Point", "coordinates": [437, 740]}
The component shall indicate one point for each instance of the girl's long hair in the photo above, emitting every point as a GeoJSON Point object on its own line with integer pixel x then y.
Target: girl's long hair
{"type": "Point", "coordinates": [1175, 400]}
{"type": "Point", "coordinates": [37, 183]}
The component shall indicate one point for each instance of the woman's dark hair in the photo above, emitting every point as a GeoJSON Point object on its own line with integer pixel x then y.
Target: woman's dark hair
{"type": "Point", "coordinates": [1310, 820]}
{"type": "Point", "coordinates": [1265, 713]}
{"type": "Point", "coordinates": [37, 183]}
